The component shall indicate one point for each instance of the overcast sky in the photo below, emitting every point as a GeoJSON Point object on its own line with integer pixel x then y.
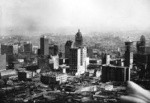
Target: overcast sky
{"type": "Point", "coordinates": [32, 16]}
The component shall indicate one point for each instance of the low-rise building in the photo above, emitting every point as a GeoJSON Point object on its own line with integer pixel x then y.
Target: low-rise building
{"type": "Point", "coordinates": [25, 75]}
{"type": "Point", "coordinates": [53, 78]}
{"type": "Point", "coordinates": [115, 73]}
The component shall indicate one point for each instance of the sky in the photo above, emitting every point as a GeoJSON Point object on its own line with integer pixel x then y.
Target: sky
{"type": "Point", "coordinates": [45, 16]}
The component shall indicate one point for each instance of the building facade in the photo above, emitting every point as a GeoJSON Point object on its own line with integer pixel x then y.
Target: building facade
{"type": "Point", "coordinates": [3, 62]}
{"type": "Point", "coordinates": [6, 49]}
{"type": "Point", "coordinates": [142, 58]}
{"type": "Point", "coordinates": [28, 47]}
{"type": "Point", "coordinates": [15, 48]}
{"type": "Point", "coordinates": [53, 50]}
{"type": "Point", "coordinates": [44, 46]}
{"type": "Point", "coordinates": [115, 73]}
{"type": "Point", "coordinates": [78, 60]}
{"type": "Point", "coordinates": [67, 48]}
{"type": "Point", "coordinates": [128, 54]}
{"type": "Point", "coordinates": [78, 40]}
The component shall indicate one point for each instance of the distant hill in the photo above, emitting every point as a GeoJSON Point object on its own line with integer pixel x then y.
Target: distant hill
{"type": "Point", "coordinates": [107, 42]}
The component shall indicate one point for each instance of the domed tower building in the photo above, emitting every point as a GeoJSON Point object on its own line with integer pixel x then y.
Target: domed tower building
{"type": "Point", "coordinates": [142, 57]}
{"type": "Point", "coordinates": [78, 39]}
{"type": "Point", "coordinates": [78, 55]}
{"type": "Point", "coordinates": [141, 45]}
{"type": "Point", "coordinates": [143, 41]}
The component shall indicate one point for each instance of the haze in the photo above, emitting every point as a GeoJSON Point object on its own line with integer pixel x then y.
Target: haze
{"type": "Point", "coordinates": [58, 16]}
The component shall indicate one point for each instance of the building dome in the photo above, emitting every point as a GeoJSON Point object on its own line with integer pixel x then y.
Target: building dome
{"type": "Point", "coordinates": [78, 36]}
{"type": "Point", "coordinates": [78, 39]}
{"type": "Point", "coordinates": [143, 40]}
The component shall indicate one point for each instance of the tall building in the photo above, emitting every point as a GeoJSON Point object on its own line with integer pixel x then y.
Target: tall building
{"type": "Point", "coordinates": [6, 49]}
{"type": "Point", "coordinates": [35, 49]}
{"type": "Point", "coordinates": [55, 60]}
{"type": "Point", "coordinates": [141, 44]}
{"type": "Point", "coordinates": [28, 47]}
{"type": "Point", "coordinates": [128, 54]}
{"type": "Point", "coordinates": [20, 48]}
{"type": "Point", "coordinates": [143, 40]}
{"type": "Point", "coordinates": [142, 57]}
{"type": "Point", "coordinates": [78, 39]}
{"type": "Point", "coordinates": [67, 48]}
{"type": "Point", "coordinates": [106, 59]}
{"type": "Point", "coordinates": [3, 62]}
{"type": "Point", "coordinates": [78, 60]}
{"type": "Point", "coordinates": [15, 48]}
{"type": "Point", "coordinates": [53, 50]}
{"type": "Point", "coordinates": [76, 53]}
{"type": "Point", "coordinates": [44, 46]}
{"type": "Point", "coordinates": [128, 57]}
{"type": "Point", "coordinates": [3, 49]}
{"type": "Point", "coordinates": [43, 63]}
{"type": "Point", "coordinates": [115, 73]}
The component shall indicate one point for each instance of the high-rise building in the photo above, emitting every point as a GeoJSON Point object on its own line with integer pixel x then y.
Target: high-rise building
{"type": "Point", "coordinates": [28, 47]}
{"type": "Point", "coordinates": [128, 54]}
{"type": "Point", "coordinates": [44, 45]}
{"type": "Point", "coordinates": [141, 45]}
{"type": "Point", "coordinates": [15, 48]}
{"type": "Point", "coordinates": [53, 50]}
{"type": "Point", "coordinates": [43, 63]}
{"type": "Point", "coordinates": [35, 49]}
{"type": "Point", "coordinates": [106, 59]}
{"type": "Point", "coordinates": [10, 61]}
{"type": "Point", "coordinates": [143, 40]}
{"type": "Point", "coordinates": [128, 57]}
{"type": "Point", "coordinates": [77, 55]}
{"type": "Point", "coordinates": [115, 73]}
{"type": "Point", "coordinates": [20, 48]}
{"type": "Point", "coordinates": [6, 49]}
{"type": "Point", "coordinates": [142, 58]}
{"type": "Point", "coordinates": [78, 60]}
{"type": "Point", "coordinates": [67, 48]}
{"type": "Point", "coordinates": [55, 60]}
{"type": "Point", "coordinates": [3, 62]}
{"type": "Point", "coordinates": [78, 39]}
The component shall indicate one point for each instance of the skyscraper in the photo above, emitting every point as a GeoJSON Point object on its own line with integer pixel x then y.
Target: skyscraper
{"type": "Point", "coordinates": [15, 48]}
{"type": "Point", "coordinates": [143, 40]}
{"type": "Point", "coordinates": [128, 54]}
{"type": "Point", "coordinates": [67, 48]}
{"type": "Point", "coordinates": [78, 60]}
{"type": "Point", "coordinates": [53, 50]}
{"type": "Point", "coordinates": [27, 47]}
{"type": "Point", "coordinates": [6, 49]}
{"type": "Point", "coordinates": [44, 46]}
{"type": "Point", "coordinates": [141, 44]}
{"type": "Point", "coordinates": [3, 62]}
{"type": "Point", "coordinates": [142, 57]}
{"type": "Point", "coordinates": [78, 54]}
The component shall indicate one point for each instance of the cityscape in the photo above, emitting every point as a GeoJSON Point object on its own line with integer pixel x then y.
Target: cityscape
{"type": "Point", "coordinates": [67, 57]}
{"type": "Point", "coordinates": [81, 74]}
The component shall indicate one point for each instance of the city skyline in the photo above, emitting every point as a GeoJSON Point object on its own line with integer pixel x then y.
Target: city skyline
{"type": "Point", "coordinates": [66, 16]}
